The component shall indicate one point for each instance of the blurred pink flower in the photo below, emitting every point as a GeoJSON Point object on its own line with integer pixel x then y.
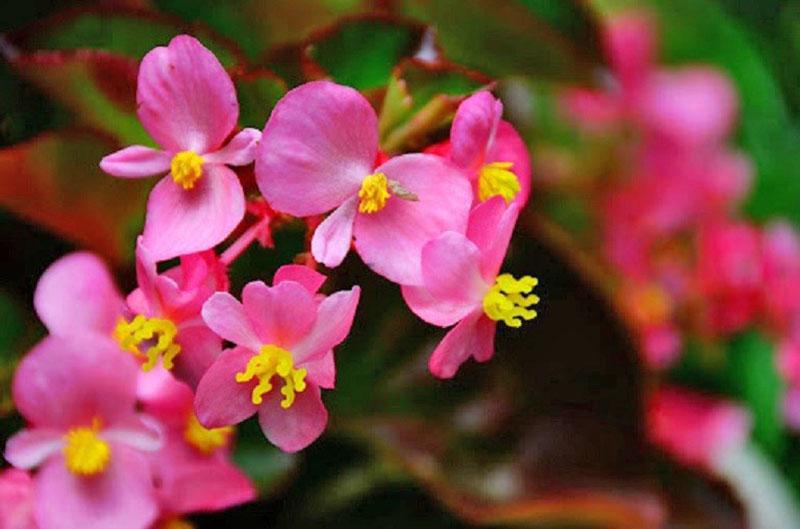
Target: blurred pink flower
{"type": "Point", "coordinates": [187, 102]}
{"type": "Point", "coordinates": [462, 286]}
{"type": "Point", "coordinates": [318, 153]}
{"type": "Point", "coordinates": [695, 428]}
{"type": "Point", "coordinates": [16, 500]}
{"type": "Point", "coordinates": [78, 395]}
{"type": "Point", "coordinates": [781, 286]}
{"type": "Point", "coordinates": [283, 334]}
{"type": "Point", "coordinates": [192, 471]}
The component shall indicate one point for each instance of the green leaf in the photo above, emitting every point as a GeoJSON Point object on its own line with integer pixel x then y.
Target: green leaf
{"type": "Point", "coordinates": [362, 52]}
{"type": "Point", "coordinates": [258, 93]}
{"type": "Point", "coordinates": [54, 180]}
{"type": "Point", "coordinates": [263, 463]}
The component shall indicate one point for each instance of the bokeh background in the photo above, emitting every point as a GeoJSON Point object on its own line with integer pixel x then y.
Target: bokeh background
{"type": "Point", "coordinates": [635, 400]}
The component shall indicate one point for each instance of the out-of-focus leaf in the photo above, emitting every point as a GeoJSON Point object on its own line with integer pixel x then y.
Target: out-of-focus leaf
{"type": "Point", "coordinates": [420, 98]}
{"type": "Point", "coordinates": [127, 32]}
{"type": "Point", "coordinates": [767, 131]}
{"type": "Point", "coordinates": [361, 52]}
{"type": "Point", "coordinates": [258, 93]}
{"type": "Point", "coordinates": [257, 25]}
{"type": "Point", "coordinates": [502, 38]}
{"type": "Point", "coordinates": [12, 328]}
{"type": "Point", "coordinates": [98, 87]}
{"type": "Point", "coordinates": [54, 180]}
{"type": "Point", "coordinates": [753, 375]}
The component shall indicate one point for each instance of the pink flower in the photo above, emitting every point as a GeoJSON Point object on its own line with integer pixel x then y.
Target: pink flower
{"type": "Point", "coordinates": [695, 428]}
{"type": "Point", "coordinates": [77, 296]}
{"type": "Point", "coordinates": [318, 153]}
{"type": "Point", "coordinates": [791, 408]}
{"type": "Point", "coordinates": [16, 500]}
{"type": "Point", "coordinates": [78, 395]}
{"type": "Point", "coordinates": [462, 286]}
{"type": "Point", "coordinates": [284, 336]}
{"type": "Point", "coordinates": [781, 286]}
{"type": "Point", "coordinates": [187, 102]}
{"type": "Point", "coordinates": [490, 150]}
{"type": "Point", "coordinates": [193, 471]}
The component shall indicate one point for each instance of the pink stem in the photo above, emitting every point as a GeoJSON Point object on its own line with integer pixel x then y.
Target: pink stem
{"type": "Point", "coordinates": [238, 246]}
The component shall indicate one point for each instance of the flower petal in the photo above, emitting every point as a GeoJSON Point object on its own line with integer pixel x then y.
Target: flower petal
{"type": "Point", "coordinates": [509, 147]}
{"type": "Point", "coordinates": [491, 225]}
{"type": "Point", "coordinates": [281, 315]}
{"type": "Point", "coordinates": [182, 221]}
{"type": "Point", "coordinates": [474, 126]}
{"type": "Point", "coordinates": [121, 497]}
{"type": "Point", "coordinates": [77, 294]}
{"type": "Point", "coordinates": [332, 238]}
{"type": "Point", "coordinates": [62, 382]}
{"type": "Point", "coordinates": [305, 275]}
{"type": "Point", "coordinates": [241, 150]}
{"type": "Point", "coordinates": [334, 319]}
{"type": "Point", "coordinates": [390, 241]}
{"type": "Point", "coordinates": [318, 145]}
{"type": "Point", "coordinates": [200, 346]}
{"type": "Point", "coordinates": [220, 400]}
{"type": "Point", "coordinates": [136, 431]}
{"type": "Point", "coordinates": [227, 317]}
{"type": "Point", "coordinates": [322, 371]}
{"type": "Point", "coordinates": [298, 426]}
{"type": "Point", "coordinates": [469, 337]}
{"type": "Point", "coordinates": [27, 449]}
{"type": "Point", "coordinates": [186, 100]}
{"type": "Point", "coordinates": [136, 161]}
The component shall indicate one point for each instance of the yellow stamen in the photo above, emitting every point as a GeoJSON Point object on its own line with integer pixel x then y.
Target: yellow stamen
{"type": "Point", "coordinates": [186, 168]}
{"type": "Point", "coordinates": [374, 193]}
{"type": "Point", "coordinates": [497, 179]}
{"type": "Point", "coordinates": [85, 454]}
{"type": "Point", "coordinates": [203, 439]}
{"type": "Point", "coordinates": [270, 361]}
{"type": "Point", "coordinates": [508, 300]}
{"type": "Point", "coordinates": [160, 332]}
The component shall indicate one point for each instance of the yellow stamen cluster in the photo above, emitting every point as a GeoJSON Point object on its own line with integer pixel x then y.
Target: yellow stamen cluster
{"type": "Point", "coordinates": [497, 179]}
{"type": "Point", "coordinates": [186, 168]}
{"type": "Point", "coordinates": [374, 193]}
{"type": "Point", "coordinates": [509, 298]}
{"type": "Point", "coordinates": [85, 454]}
{"type": "Point", "coordinates": [203, 439]}
{"type": "Point", "coordinates": [270, 361]}
{"type": "Point", "coordinates": [160, 332]}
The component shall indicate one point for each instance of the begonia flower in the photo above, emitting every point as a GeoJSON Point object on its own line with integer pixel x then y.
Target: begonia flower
{"type": "Point", "coordinates": [187, 103]}
{"type": "Point", "coordinates": [318, 154]}
{"type": "Point", "coordinates": [76, 295]}
{"type": "Point", "coordinates": [78, 395]}
{"type": "Point", "coordinates": [16, 500]}
{"type": "Point", "coordinates": [462, 286]}
{"type": "Point", "coordinates": [193, 469]}
{"type": "Point", "coordinates": [284, 337]}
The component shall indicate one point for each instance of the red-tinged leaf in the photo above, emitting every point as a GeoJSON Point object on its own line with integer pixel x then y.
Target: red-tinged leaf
{"type": "Point", "coordinates": [54, 180]}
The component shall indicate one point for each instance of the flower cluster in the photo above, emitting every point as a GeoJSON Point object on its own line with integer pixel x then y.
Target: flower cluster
{"type": "Point", "coordinates": [131, 401]}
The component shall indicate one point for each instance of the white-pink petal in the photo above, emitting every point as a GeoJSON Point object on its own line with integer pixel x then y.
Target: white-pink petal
{"type": "Point", "coordinates": [227, 317]}
{"type": "Point", "coordinates": [28, 449]}
{"type": "Point", "coordinates": [332, 238]}
{"type": "Point", "coordinates": [241, 150]}
{"type": "Point", "coordinates": [136, 161]}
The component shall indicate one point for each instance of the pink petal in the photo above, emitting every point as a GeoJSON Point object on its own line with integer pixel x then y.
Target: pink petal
{"type": "Point", "coordinates": [474, 127]}
{"type": "Point", "coordinates": [630, 45]}
{"type": "Point", "coordinates": [27, 449]}
{"type": "Point", "coordinates": [318, 145]}
{"type": "Point", "coordinates": [77, 294]}
{"type": "Point", "coordinates": [298, 426]}
{"type": "Point", "coordinates": [147, 280]}
{"type": "Point", "coordinates": [241, 150]}
{"type": "Point", "coordinates": [491, 225]}
{"type": "Point", "coordinates": [227, 317]}
{"type": "Point", "coordinates": [220, 400]}
{"type": "Point", "coordinates": [509, 147]}
{"type": "Point", "coordinates": [334, 320]}
{"type": "Point", "coordinates": [469, 338]}
{"type": "Point", "coordinates": [322, 371]}
{"type": "Point", "coordinates": [200, 346]}
{"type": "Point", "coordinates": [63, 382]}
{"type": "Point", "coordinates": [332, 238]}
{"type": "Point", "coordinates": [450, 271]}
{"type": "Point", "coordinates": [595, 111]}
{"type": "Point", "coordinates": [186, 100]}
{"type": "Point", "coordinates": [281, 315]}
{"type": "Point", "coordinates": [16, 500]}
{"type": "Point", "coordinates": [122, 497]}
{"type": "Point", "coordinates": [306, 276]}
{"type": "Point", "coordinates": [136, 161]}
{"type": "Point", "coordinates": [391, 240]}
{"type": "Point", "coordinates": [136, 431]}
{"type": "Point", "coordinates": [182, 221]}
